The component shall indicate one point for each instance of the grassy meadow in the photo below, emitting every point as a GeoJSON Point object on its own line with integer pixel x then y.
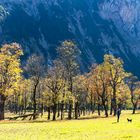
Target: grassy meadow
{"type": "Point", "coordinates": [84, 129]}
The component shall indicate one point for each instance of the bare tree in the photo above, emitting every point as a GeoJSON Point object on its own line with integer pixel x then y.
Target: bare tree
{"type": "Point", "coordinates": [68, 54]}
{"type": "Point", "coordinates": [35, 70]}
{"type": "Point", "coordinates": [134, 86]}
{"type": "Point", "coordinates": [55, 83]}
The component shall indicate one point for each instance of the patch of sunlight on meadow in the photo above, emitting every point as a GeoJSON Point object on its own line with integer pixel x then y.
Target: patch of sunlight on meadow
{"type": "Point", "coordinates": [92, 129]}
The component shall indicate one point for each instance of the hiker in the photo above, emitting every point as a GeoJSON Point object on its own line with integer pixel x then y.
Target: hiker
{"type": "Point", "coordinates": [118, 114]}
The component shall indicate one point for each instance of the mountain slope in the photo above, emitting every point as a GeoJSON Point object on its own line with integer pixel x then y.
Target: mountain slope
{"type": "Point", "coordinates": [98, 27]}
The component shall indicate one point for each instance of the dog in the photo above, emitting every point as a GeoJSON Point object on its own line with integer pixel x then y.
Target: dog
{"type": "Point", "coordinates": [129, 120]}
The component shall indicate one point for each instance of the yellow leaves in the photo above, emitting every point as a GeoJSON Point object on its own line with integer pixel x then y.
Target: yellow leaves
{"type": "Point", "coordinates": [13, 49]}
{"type": "Point", "coordinates": [68, 43]}
{"type": "Point", "coordinates": [115, 68]}
{"type": "Point", "coordinates": [8, 91]}
{"type": "Point", "coordinates": [136, 94]}
{"type": "Point", "coordinates": [10, 71]}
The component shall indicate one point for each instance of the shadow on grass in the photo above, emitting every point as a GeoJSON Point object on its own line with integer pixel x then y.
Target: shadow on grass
{"type": "Point", "coordinates": [48, 121]}
{"type": "Point", "coordinates": [94, 117]}
{"type": "Point", "coordinates": [115, 122]}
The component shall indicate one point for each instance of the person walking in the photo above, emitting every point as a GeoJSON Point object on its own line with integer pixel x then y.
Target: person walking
{"type": "Point", "coordinates": [118, 114]}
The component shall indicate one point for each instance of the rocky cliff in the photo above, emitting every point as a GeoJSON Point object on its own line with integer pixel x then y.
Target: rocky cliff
{"type": "Point", "coordinates": [98, 27]}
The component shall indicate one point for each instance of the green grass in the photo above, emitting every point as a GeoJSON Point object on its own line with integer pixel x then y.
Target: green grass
{"type": "Point", "coordinates": [88, 129]}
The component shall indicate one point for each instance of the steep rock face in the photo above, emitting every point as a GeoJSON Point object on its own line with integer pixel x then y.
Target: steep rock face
{"type": "Point", "coordinates": [126, 17]}
{"type": "Point", "coordinates": [98, 27]}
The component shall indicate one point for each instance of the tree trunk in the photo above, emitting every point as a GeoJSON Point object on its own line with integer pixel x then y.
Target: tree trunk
{"type": "Point", "coordinates": [134, 108]}
{"type": "Point", "coordinates": [115, 107]}
{"type": "Point", "coordinates": [42, 106]}
{"type": "Point", "coordinates": [16, 108]}
{"type": "Point", "coordinates": [79, 112]}
{"type": "Point", "coordinates": [106, 111]}
{"type": "Point", "coordinates": [71, 102]}
{"type": "Point", "coordinates": [34, 101]}
{"type": "Point", "coordinates": [21, 110]}
{"type": "Point", "coordinates": [58, 114]}
{"type": "Point", "coordinates": [114, 101]}
{"type": "Point", "coordinates": [62, 110]}
{"type": "Point", "coordinates": [54, 111]}
{"type": "Point", "coordinates": [105, 108]}
{"type": "Point", "coordinates": [25, 103]}
{"type": "Point", "coordinates": [2, 105]}
{"type": "Point", "coordinates": [99, 107]}
{"type": "Point", "coordinates": [93, 108]}
{"type": "Point", "coordinates": [49, 113]}
{"type": "Point", "coordinates": [15, 105]}
{"type": "Point", "coordinates": [111, 107]}
{"type": "Point", "coordinates": [76, 110]}
{"type": "Point", "coordinates": [70, 111]}
{"type": "Point", "coordinates": [84, 111]}
{"type": "Point", "coordinates": [99, 110]}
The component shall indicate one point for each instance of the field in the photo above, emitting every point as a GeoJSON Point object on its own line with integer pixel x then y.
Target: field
{"type": "Point", "coordinates": [86, 129]}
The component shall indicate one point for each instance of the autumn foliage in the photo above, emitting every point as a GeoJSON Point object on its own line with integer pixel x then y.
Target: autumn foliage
{"type": "Point", "coordinates": [60, 88]}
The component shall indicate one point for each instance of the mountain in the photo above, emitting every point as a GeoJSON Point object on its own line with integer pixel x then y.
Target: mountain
{"type": "Point", "coordinates": [98, 27]}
